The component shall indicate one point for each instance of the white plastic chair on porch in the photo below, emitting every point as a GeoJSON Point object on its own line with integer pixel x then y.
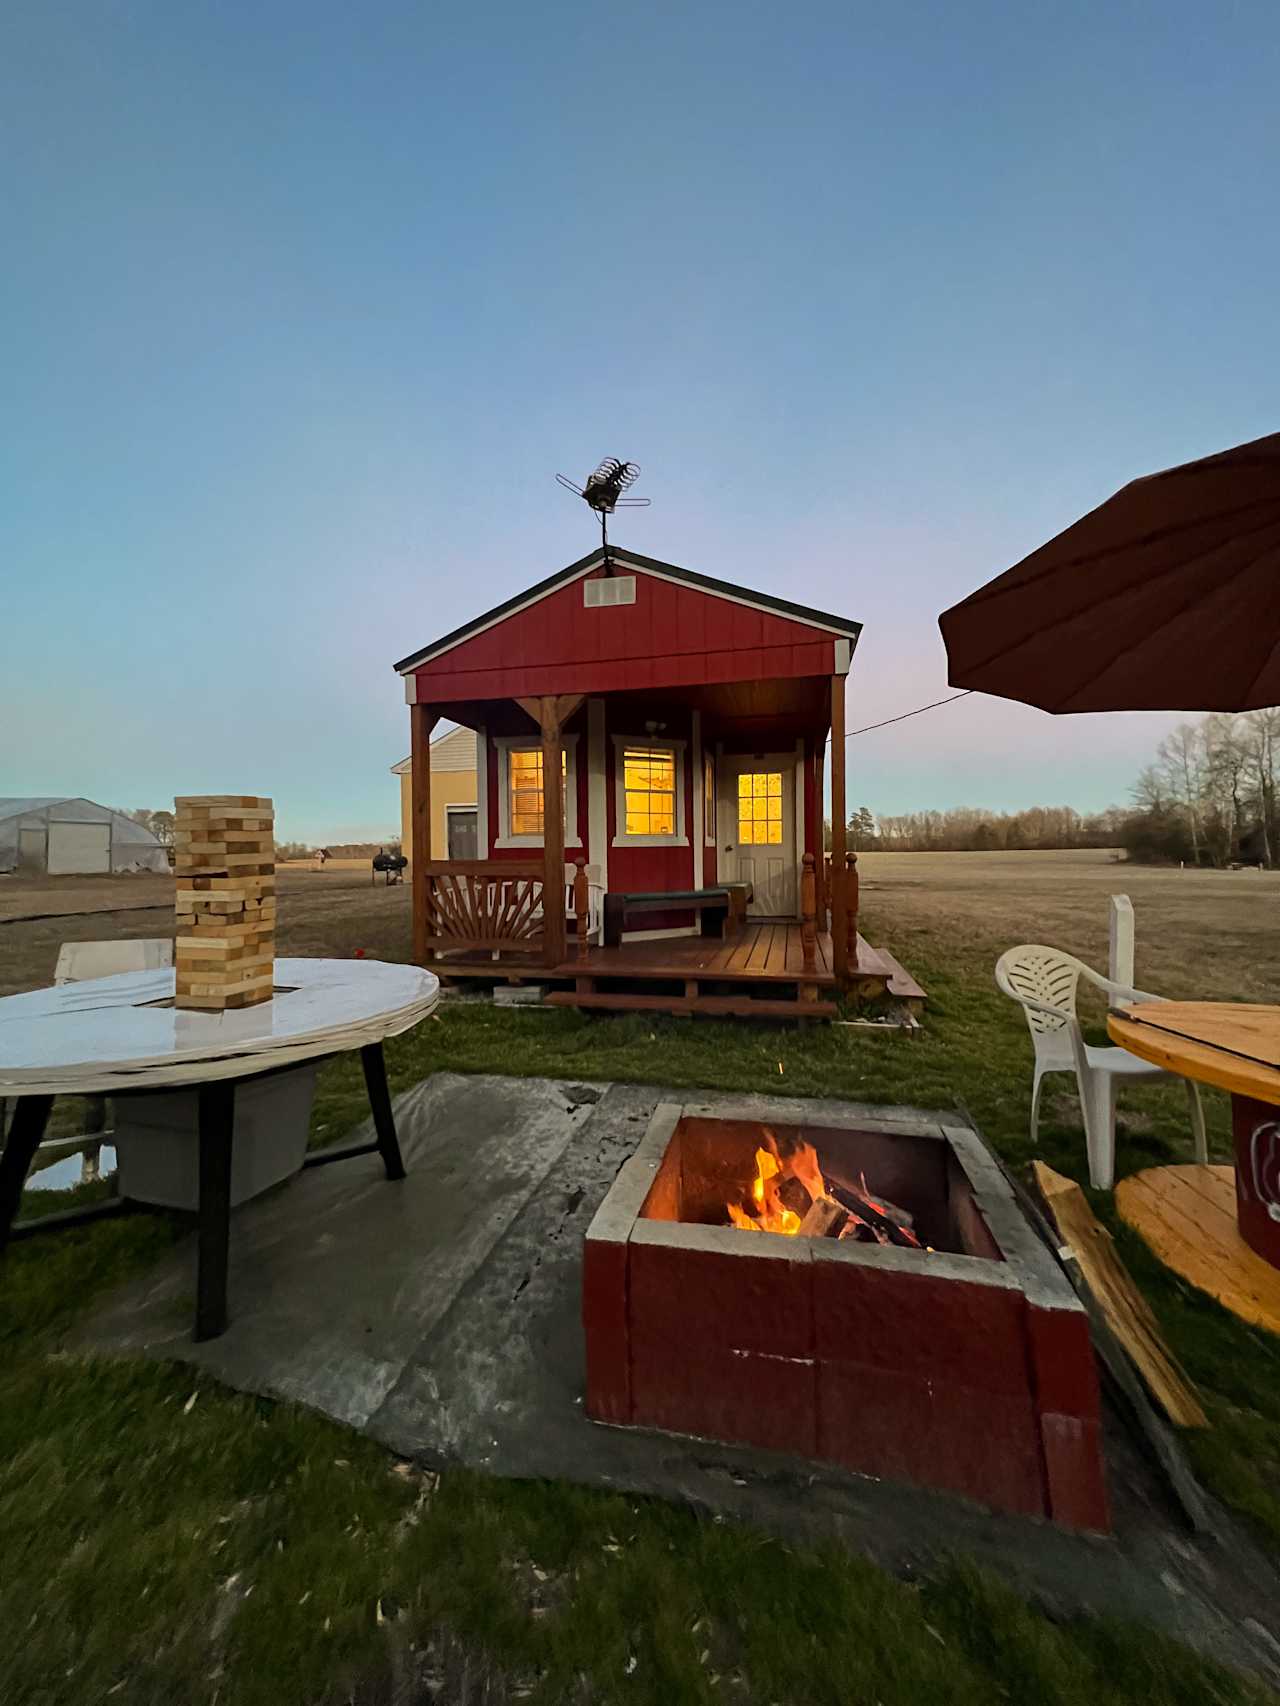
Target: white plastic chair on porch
{"type": "Point", "coordinates": [1044, 982]}
{"type": "Point", "coordinates": [595, 902]}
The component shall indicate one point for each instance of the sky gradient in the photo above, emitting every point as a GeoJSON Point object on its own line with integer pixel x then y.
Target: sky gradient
{"type": "Point", "coordinates": [303, 307]}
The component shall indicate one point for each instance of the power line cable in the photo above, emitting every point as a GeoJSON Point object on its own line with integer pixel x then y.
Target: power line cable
{"type": "Point", "coordinates": [902, 717]}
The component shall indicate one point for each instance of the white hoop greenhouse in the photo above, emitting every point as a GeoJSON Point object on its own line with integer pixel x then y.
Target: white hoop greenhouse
{"type": "Point", "coordinates": [61, 837]}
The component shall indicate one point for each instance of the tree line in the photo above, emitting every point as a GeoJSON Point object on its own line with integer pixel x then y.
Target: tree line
{"type": "Point", "coordinates": [972, 829]}
{"type": "Point", "coordinates": [1209, 798]}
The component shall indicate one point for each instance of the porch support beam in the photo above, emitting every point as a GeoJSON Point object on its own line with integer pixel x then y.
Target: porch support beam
{"type": "Point", "coordinates": [839, 820]}
{"type": "Point", "coordinates": [551, 712]}
{"type": "Point", "coordinates": [565, 704]}
{"type": "Point", "coordinates": [422, 720]}
{"type": "Point", "coordinates": [820, 846]}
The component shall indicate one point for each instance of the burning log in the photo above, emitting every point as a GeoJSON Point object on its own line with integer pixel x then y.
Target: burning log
{"type": "Point", "coordinates": [825, 1218]}
{"type": "Point", "coordinates": [790, 1195]}
{"type": "Point", "coordinates": [876, 1215]}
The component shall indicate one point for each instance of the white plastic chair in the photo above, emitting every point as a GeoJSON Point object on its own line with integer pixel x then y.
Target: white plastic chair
{"type": "Point", "coordinates": [595, 901]}
{"type": "Point", "coordinates": [80, 960]}
{"type": "Point", "coordinates": [1044, 982]}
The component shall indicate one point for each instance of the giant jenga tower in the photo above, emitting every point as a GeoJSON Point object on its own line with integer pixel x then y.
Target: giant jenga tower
{"type": "Point", "coordinates": [225, 865]}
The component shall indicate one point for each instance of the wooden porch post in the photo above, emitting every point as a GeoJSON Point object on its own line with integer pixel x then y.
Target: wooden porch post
{"type": "Point", "coordinates": [551, 712]}
{"type": "Point", "coordinates": [820, 851]}
{"type": "Point", "coordinates": [839, 820]}
{"type": "Point", "coordinates": [422, 719]}
{"type": "Point", "coordinates": [552, 835]}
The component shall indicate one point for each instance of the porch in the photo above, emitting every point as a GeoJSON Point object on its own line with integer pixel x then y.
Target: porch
{"type": "Point", "coordinates": [759, 968]}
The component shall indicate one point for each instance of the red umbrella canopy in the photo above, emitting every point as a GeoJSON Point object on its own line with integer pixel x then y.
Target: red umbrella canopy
{"type": "Point", "coordinates": [1164, 598]}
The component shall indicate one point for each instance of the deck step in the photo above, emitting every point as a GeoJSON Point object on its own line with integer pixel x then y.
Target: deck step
{"type": "Point", "coordinates": [902, 986]}
{"type": "Point", "coordinates": [719, 1006]}
{"type": "Point", "coordinates": [872, 962]}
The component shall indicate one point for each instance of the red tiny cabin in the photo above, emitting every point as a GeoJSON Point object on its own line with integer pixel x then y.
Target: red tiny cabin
{"type": "Point", "coordinates": [674, 728]}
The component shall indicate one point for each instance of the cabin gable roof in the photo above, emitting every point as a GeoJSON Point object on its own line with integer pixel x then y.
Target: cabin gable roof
{"type": "Point", "coordinates": [821, 623]}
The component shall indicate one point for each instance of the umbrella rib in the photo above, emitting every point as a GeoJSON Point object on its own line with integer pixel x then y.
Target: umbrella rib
{"type": "Point", "coordinates": [1109, 597]}
{"type": "Point", "coordinates": [1157, 628]}
{"type": "Point", "coordinates": [1085, 557]}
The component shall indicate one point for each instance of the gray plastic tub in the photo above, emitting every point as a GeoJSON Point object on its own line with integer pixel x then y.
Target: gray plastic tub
{"type": "Point", "coordinates": [158, 1148]}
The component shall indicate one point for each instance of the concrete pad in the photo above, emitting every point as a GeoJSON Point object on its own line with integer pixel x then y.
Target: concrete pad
{"type": "Point", "coordinates": [442, 1316]}
{"type": "Point", "coordinates": [337, 1278]}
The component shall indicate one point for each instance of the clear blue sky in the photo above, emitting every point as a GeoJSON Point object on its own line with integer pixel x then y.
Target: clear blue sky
{"type": "Point", "coordinates": [303, 306]}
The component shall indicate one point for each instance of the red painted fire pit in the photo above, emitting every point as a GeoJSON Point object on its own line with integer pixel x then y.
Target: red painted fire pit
{"type": "Point", "coordinates": [964, 1364]}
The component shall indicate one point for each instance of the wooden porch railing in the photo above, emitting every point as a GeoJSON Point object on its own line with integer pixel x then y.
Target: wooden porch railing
{"type": "Point", "coordinates": [851, 903]}
{"type": "Point", "coordinates": [489, 904]}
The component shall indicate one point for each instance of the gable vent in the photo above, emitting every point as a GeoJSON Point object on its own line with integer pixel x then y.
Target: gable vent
{"type": "Point", "coordinates": [620, 589]}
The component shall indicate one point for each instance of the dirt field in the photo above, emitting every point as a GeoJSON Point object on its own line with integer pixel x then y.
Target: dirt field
{"type": "Point", "coordinates": [1208, 934]}
{"type": "Point", "coordinates": [324, 913]}
{"type": "Point", "coordinates": [1214, 934]}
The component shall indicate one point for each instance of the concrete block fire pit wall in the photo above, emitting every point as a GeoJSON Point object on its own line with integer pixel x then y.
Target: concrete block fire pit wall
{"type": "Point", "coordinates": [965, 1366]}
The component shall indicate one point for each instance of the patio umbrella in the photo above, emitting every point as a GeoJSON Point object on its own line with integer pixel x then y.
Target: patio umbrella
{"type": "Point", "coordinates": [1166, 597]}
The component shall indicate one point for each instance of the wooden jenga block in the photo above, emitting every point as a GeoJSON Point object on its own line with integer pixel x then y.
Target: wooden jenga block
{"type": "Point", "coordinates": [224, 904]}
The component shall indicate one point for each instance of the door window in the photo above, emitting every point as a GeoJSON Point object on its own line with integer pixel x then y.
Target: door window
{"type": "Point", "coordinates": [760, 808]}
{"type": "Point", "coordinates": [462, 835]}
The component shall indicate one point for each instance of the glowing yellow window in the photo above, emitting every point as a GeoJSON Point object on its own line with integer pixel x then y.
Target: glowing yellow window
{"type": "Point", "coordinates": [760, 808]}
{"type": "Point", "coordinates": [649, 783]}
{"type": "Point", "coordinates": [525, 784]}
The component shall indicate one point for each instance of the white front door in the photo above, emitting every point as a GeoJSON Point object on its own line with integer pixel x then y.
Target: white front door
{"type": "Point", "coordinates": [757, 821]}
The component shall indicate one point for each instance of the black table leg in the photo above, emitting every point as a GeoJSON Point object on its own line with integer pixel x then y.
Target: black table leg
{"type": "Point", "coordinates": [217, 1104]}
{"type": "Point", "coordinates": [30, 1117]}
{"type": "Point", "coordinates": [375, 1077]}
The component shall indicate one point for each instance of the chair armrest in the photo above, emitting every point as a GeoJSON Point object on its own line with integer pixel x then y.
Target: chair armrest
{"type": "Point", "coordinates": [1118, 991]}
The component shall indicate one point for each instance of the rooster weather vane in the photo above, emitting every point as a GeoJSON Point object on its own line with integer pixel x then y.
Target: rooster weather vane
{"type": "Point", "coordinates": [603, 491]}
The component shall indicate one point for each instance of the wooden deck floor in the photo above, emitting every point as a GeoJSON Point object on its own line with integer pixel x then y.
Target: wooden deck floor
{"type": "Point", "coordinates": [758, 952]}
{"type": "Point", "coordinates": [758, 972]}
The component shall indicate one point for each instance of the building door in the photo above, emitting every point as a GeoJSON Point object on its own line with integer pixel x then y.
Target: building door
{"type": "Point", "coordinates": [79, 847]}
{"type": "Point", "coordinates": [463, 840]}
{"type": "Point", "coordinates": [757, 819]}
{"type": "Point", "coordinates": [31, 847]}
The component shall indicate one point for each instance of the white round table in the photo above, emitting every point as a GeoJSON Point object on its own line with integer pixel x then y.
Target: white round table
{"type": "Point", "coordinates": [117, 1035]}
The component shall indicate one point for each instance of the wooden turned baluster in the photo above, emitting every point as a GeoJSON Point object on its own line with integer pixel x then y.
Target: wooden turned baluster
{"type": "Point", "coordinates": [809, 913]}
{"type": "Point", "coordinates": [851, 903]}
{"type": "Point", "coordinates": [581, 904]}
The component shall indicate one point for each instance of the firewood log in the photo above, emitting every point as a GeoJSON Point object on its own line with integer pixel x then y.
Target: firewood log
{"type": "Point", "coordinates": [825, 1219]}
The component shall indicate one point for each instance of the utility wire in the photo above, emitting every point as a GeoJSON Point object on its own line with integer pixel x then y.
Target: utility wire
{"type": "Point", "coordinates": [950, 700]}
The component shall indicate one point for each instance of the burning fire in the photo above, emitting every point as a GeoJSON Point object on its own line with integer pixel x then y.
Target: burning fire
{"type": "Point", "coordinates": [791, 1195]}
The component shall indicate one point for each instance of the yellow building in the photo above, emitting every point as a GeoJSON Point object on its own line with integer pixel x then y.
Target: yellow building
{"type": "Point", "coordinates": [454, 801]}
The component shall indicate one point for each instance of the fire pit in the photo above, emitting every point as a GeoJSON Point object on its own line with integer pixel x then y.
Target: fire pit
{"type": "Point", "coordinates": [867, 1294]}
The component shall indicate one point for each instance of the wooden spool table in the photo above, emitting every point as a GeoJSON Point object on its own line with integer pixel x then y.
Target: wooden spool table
{"type": "Point", "coordinates": [1186, 1212]}
{"type": "Point", "coordinates": [124, 1036]}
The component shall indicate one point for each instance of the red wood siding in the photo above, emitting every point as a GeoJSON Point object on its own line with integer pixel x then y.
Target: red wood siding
{"type": "Point", "coordinates": [672, 636]}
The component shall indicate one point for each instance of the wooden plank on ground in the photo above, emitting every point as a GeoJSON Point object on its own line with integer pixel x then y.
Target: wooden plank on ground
{"type": "Point", "coordinates": [1126, 1309]}
{"type": "Point", "coordinates": [1188, 1216]}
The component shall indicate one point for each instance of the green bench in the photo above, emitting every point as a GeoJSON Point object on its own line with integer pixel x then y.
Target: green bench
{"type": "Point", "coordinates": [720, 910]}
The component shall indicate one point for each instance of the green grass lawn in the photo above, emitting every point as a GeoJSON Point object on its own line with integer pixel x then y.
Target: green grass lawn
{"type": "Point", "coordinates": [162, 1539]}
